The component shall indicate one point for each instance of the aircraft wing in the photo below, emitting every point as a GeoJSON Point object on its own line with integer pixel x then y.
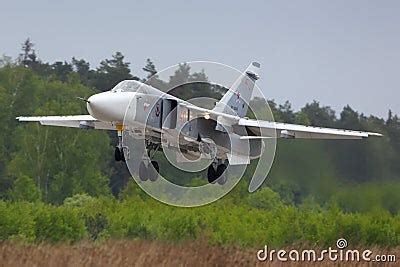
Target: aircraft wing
{"type": "Point", "coordinates": [76, 121]}
{"type": "Point", "coordinates": [285, 130]}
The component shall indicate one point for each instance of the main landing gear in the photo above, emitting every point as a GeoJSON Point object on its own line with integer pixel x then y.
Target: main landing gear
{"type": "Point", "coordinates": [217, 172]}
{"type": "Point", "coordinates": [148, 168]}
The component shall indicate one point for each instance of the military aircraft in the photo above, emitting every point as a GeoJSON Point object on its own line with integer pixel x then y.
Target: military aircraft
{"type": "Point", "coordinates": [221, 133]}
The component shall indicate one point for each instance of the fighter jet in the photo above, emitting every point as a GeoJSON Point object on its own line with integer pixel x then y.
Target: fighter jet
{"type": "Point", "coordinates": [222, 133]}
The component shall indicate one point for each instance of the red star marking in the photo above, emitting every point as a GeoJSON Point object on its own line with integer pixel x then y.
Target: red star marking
{"type": "Point", "coordinates": [237, 94]}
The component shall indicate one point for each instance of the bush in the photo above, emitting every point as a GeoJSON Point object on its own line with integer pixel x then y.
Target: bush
{"type": "Point", "coordinates": [224, 222]}
{"type": "Point", "coordinates": [182, 225]}
{"type": "Point", "coordinates": [58, 224]}
{"type": "Point", "coordinates": [24, 190]}
{"type": "Point", "coordinates": [264, 198]}
{"type": "Point", "coordinates": [17, 221]}
{"type": "Point", "coordinates": [78, 200]}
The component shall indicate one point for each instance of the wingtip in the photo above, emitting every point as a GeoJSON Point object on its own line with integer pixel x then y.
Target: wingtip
{"type": "Point", "coordinates": [375, 134]}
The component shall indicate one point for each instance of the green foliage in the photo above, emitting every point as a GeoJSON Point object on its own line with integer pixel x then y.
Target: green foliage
{"type": "Point", "coordinates": [224, 222]}
{"type": "Point", "coordinates": [39, 222]}
{"type": "Point", "coordinates": [132, 190]}
{"type": "Point", "coordinates": [264, 198]}
{"type": "Point", "coordinates": [150, 68]}
{"type": "Point", "coordinates": [78, 200]}
{"type": "Point", "coordinates": [319, 116]}
{"type": "Point", "coordinates": [369, 197]}
{"type": "Point", "coordinates": [76, 164]}
{"type": "Point", "coordinates": [302, 118]}
{"type": "Point", "coordinates": [58, 224]}
{"type": "Point", "coordinates": [17, 221]}
{"type": "Point", "coordinates": [25, 190]}
{"type": "Point", "coordinates": [111, 72]}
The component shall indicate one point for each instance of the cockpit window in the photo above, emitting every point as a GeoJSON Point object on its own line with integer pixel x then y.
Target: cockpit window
{"type": "Point", "coordinates": [127, 86]}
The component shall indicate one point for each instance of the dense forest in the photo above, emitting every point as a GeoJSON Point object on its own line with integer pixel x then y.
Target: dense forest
{"type": "Point", "coordinates": [319, 188]}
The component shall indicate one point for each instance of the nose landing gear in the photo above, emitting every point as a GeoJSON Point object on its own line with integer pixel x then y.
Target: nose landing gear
{"type": "Point", "coordinates": [119, 154]}
{"type": "Point", "coordinates": [120, 150]}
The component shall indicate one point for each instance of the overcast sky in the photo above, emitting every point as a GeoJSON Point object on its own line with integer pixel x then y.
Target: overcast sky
{"type": "Point", "coordinates": [337, 52]}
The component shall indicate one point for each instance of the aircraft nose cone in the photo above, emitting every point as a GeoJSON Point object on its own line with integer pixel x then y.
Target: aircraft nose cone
{"type": "Point", "coordinates": [98, 106]}
{"type": "Point", "coordinates": [108, 106]}
{"type": "Point", "coordinates": [93, 101]}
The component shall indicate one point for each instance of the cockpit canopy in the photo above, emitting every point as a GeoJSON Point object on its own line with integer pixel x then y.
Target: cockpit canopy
{"type": "Point", "coordinates": [127, 86]}
{"type": "Point", "coordinates": [135, 87]}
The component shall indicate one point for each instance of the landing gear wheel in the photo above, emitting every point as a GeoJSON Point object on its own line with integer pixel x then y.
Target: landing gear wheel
{"type": "Point", "coordinates": [153, 172]}
{"type": "Point", "coordinates": [117, 154]}
{"type": "Point", "coordinates": [221, 174]}
{"type": "Point", "coordinates": [143, 173]}
{"type": "Point", "coordinates": [211, 174]}
{"type": "Point", "coordinates": [122, 155]}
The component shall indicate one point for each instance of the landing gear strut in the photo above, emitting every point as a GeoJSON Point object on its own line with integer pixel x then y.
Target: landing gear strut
{"type": "Point", "coordinates": [119, 154]}
{"type": "Point", "coordinates": [217, 173]}
{"type": "Point", "coordinates": [148, 168]}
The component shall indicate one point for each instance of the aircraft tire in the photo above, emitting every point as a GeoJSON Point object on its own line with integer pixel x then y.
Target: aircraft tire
{"type": "Point", "coordinates": [153, 172]}
{"type": "Point", "coordinates": [117, 154]}
{"type": "Point", "coordinates": [221, 174]}
{"type": "Point", "coordinates": [143, 172]}
{"type": "Point", "coordinates": [211, 174]}
{"type": "Point", "coordinates": [122, 155]}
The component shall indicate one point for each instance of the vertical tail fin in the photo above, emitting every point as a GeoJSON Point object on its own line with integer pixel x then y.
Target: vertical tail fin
{"type": "Point", "coordinates": [237, 98]}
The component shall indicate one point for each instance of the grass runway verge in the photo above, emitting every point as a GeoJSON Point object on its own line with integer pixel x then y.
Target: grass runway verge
{"type": "Point", "coordinates": [146, 253]}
